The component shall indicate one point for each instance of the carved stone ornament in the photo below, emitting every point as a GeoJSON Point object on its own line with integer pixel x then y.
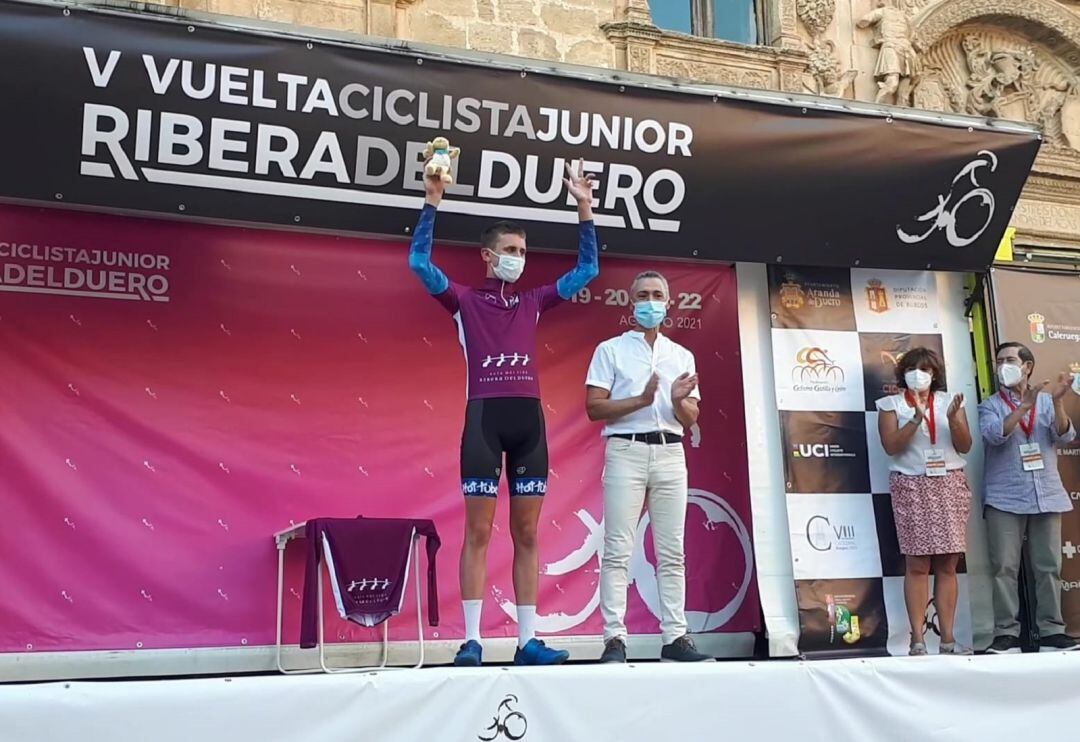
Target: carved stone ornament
{"type": "Point", "coordinates": [716, 73]}
{"type": "Point", "coordinates": [824, 75]}
{"type": "Point", "coordinates": [816, 15]}
{"type": "Point", "coordinates": [933, 91]}
{"type": "Point", "coordinates": [792, 80]}
{"type": "Point", "coordinates": [638, 58]}
{"type": "Point", "coordinates": [941, 19]}
{"type": "Point", "coordinates": [896, 62]}
{"type": "Point", "coordinates": [637, 11]}
{"type": "Point", "coordinates": [988, 71]}
{"type": "Point", "coordinates": [913, 6]}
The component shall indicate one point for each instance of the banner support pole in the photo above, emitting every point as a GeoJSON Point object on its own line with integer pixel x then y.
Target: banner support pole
{"type": "Point", "coordinates": [980, 333]}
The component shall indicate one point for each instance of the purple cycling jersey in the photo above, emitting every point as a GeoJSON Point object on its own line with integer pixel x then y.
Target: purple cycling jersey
{"type": "Point", "coordinates": [497, 330]}
{"type": "Point", "coordinates": [496, 323]}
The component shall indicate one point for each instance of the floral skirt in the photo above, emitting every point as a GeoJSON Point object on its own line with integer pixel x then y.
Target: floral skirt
{"type": "Point", "coordinates": [931, 513]}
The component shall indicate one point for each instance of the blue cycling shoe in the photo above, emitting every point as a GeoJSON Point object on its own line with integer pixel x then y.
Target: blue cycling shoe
{"type": "Point", "coordinates": [470, 654]}
{"type": "Point", "coordinates": [535, 652]}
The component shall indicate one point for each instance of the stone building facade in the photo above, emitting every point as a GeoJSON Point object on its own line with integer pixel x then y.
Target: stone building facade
{"type": "Point", "coordinates": [1016, 59]}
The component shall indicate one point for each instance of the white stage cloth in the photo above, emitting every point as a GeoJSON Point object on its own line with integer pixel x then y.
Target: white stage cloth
{"type": "Point", "coordinates": [1009, 698]}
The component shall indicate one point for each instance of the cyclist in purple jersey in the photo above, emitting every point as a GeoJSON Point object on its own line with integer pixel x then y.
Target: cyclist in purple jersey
{"type": "Point", "coordinates": [496, 325]}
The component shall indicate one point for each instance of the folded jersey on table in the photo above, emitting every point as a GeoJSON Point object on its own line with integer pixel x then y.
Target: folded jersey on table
{"type": "Point", "coordinates": [369, 561]}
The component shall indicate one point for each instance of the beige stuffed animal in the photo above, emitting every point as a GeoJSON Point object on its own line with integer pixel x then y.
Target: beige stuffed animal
{"type": "Point", "coordinates": [439, 153]}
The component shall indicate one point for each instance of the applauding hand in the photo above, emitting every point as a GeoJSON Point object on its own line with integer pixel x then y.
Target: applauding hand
{"type": "Point", "coordinates": [1058, 390]}
{"type": "Point", "coordinates": [649, 394]}
{"type": "Point", "coordinates": [682, 386]}
{"type": "Point", "coordinates": [1031, 396]}
{"type": "Point", "coordinates": [956, 407]}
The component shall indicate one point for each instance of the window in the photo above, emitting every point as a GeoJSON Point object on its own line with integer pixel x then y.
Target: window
{"type": "Point", "coordinates": [732, 20]}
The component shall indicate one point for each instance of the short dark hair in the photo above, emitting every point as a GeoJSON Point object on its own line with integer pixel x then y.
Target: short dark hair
{"type": "Point", "coordinates": [1021, 350]}
{"type": "Point", "coordinates": [916, 357]}
{"type": "Point", "coordinates": [491, 235]}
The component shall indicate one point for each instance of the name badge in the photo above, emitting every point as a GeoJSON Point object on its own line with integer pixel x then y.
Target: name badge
{"type": "Point", "coordinates": [1031, 456]}
{"type": "Point", "coordinates": [935, 462]}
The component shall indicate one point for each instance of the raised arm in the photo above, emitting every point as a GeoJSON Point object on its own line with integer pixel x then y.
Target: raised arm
{"type": "Point", "coordinates": [434, 280]}
{"type": "Point", "coordinates": [579, 184]}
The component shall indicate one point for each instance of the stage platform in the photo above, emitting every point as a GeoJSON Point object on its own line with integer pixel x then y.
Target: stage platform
{"type": "Point", "coordinates": [1010, 698]}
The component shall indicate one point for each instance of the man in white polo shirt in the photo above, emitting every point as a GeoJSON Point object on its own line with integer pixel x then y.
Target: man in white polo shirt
{"type": "Point", "coordinates": [644, 387]}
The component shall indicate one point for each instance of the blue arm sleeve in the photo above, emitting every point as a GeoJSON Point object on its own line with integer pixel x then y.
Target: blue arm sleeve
{"type": "Point", "coordinates": [587, 267]}
{"type": "Point", "coordinates": [434, 280]}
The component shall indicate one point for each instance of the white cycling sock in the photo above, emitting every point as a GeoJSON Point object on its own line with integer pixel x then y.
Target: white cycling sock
{"type": "Point", "coordinates": [472, 618]}
{"type": "Point", "coordinates": [526, 616]}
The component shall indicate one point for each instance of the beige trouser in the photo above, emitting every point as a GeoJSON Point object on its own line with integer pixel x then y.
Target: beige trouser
{"type": "Point", "coordinates": [637, 474]}
{"type": "Point", "coordinates": [1005, 536]}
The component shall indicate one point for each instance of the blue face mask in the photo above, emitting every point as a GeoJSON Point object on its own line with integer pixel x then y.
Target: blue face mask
{"type": "Point", "coordinates": [649, 314]}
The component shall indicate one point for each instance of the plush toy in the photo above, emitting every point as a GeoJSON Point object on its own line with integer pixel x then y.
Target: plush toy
{"type": "Point", "coordinates": [438, 154]}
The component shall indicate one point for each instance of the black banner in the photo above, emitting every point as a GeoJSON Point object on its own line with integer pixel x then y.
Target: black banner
{"type": "Point", "coordinates": [164, 115]}
{"type": "Point", "coordinates": [845, 616]}
{"type": "Point", "coordinates": [881, 352]}
{"type": "Point", "coordinates": [811, 298]}
{"type": "Point", "coordinates": [825, 451]}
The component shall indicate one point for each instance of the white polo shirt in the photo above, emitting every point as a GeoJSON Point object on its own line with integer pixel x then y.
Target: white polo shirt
{"type": "Point", "coordinates": [623, 365]}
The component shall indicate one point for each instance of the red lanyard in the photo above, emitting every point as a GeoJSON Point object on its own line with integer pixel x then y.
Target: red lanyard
{"type": "Point", "coordinates": [1028, 427]}
{"type": "Point", "coordinates": [931, 423]}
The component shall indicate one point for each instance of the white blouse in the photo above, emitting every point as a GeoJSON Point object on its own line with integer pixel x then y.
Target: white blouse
{"type": "Point", "coordinates": [911, 460]}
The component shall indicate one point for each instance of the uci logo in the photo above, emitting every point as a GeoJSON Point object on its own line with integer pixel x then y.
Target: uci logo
{"type": "Point", "coordinates": [811, 451]}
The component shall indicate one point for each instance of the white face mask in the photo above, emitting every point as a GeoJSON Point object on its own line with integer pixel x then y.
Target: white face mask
{"type": "Point", "coordinates": [509, 268]}
{"type": "Point", "coordinates": [917, 380]}
{"type": "Point", "coordinates": [1009, 375]}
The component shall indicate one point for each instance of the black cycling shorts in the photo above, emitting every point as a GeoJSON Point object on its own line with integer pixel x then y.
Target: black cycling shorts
{"type": "Point", "coordinates": [513, 426]}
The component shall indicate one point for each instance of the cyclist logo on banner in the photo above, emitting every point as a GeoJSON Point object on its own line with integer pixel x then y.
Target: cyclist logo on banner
{"type": "Point", "coordinates": [977, 205]}
{"type": "Point", "coordinates": [717, 513]}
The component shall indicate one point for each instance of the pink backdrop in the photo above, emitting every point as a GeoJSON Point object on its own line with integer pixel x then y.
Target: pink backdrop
{"type": "Point", "coordinates": [149, 448]}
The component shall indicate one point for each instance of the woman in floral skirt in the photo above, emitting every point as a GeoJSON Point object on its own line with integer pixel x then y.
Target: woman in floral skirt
{"type": "Point", "coordinates": [924, 430]}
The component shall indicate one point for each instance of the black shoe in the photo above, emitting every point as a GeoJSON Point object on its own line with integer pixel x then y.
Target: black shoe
{"type": "Point", "coordinates": [1004, 645]}
{"type": "Point", "coordinates": [1058, 643]}
{"type": "Point", "coordinates": [683, 650]}
{"type": "Point", "coordinates": [614, 651]}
